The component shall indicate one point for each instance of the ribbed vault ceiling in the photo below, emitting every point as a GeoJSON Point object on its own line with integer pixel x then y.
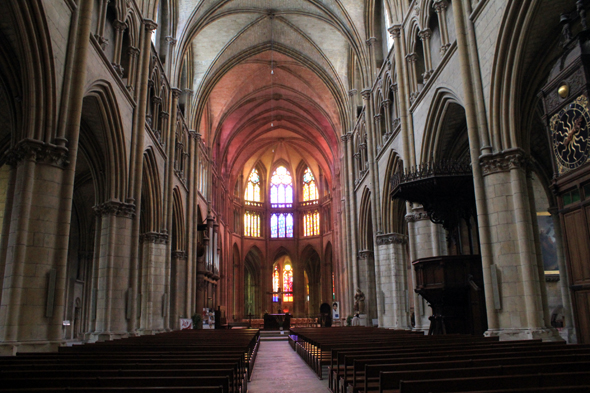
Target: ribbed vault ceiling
{"type": "Point", "coordinates": [271, 75]}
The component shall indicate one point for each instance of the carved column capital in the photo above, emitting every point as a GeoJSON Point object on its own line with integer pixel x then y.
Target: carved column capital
{"type": "Point", "coordinates": [371, 41]}
{"type": "Point", "coordinates": [176, 92]}
{"type": "Point", "coordinates": [425, 34]}
{"type": "Point", "coordinates": [366, 93]}
{"type": "Point", "coordinates": [440, 5]}
{"type": "Point", "coordinates": [417, 216]}
{"type": "Point", "coordinates": [149, 25]}
{"type": "Point", "coordinates": [115, 208]}
{"type": "Point", "coordinates": [412, 57]}
{"type": "Point", "coordinates": [503, 161]}
{"type": "Point", "coordinates": [154, 237]}
{"type": "Point", "coordinates": [179, 254]}
{"type": "Point", "coordinates": [365, 254]}
{"type": "Point", "coordinates": [133, 51]}
{"type": "Point", "coordinates": [39, 152]}
{"type": "Point", "coordinates": [171, 40]}
{"type": "Point", "coordinates": [352, 93]}
{"type": "Point", "coordinates": [395, 31]}
{"type": "Point", "coordinates": [119, 25]}
{"type": "Point", "coordinates": [391, 238]}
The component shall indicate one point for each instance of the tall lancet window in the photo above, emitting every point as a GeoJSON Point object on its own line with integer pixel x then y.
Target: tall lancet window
{"type": "Point", "coordinates": [281, 188]}
{"type": "Point", "coordinates": [275, 284]}
{"type": "Point", "coordinates": [253, 187]}
{"type": "Point", "coordinates": [281, 197]}
{"type": "Point", "coordinates": [310, 190]}
{"type": "Point", "coordinates": [252, 198]}
{"type": "Point", "coordinates": [287, 283]}
{"type": "Point", "coordinates": [311, 219]}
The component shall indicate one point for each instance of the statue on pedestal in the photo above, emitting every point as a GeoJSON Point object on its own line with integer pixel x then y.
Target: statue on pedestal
{"type": "Point", "coordinates": [359, 302]}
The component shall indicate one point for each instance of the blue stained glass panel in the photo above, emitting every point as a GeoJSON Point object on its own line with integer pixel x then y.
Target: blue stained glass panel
{"type": "Point", "coordinates": [282, 225]}
{"type": "Point", "coordinates": [273, 226]}
{"type": "Point", "coordinates": [289, 225]}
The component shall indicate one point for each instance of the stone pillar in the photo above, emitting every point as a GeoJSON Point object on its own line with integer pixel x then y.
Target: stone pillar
{"type": "Point", "coordinates": [153, 282]}
{"type": "Point", "coordinates": [519, 304]}
{"type": "Point", "coordinates": [113, 295]}
{"type": "Point", "coordinates": [425, 37]}
{"type": "Point", "coordinates": [411, 58]}
{"type": "Point", "coordinates": [440, 7]}
{"type": "Point", "coordinates": [350, 213]}
{"type": "Point", "coordinates": [420, 233]}
{"type": "Point", "coordinates": [392, 274]}
{"type": "Point", "coordinates": [178, 302]}
{"type": "Point", "coordinates": [171, 41]}
{"type": "Point", "coordinates": [132, 72]}
{"type": "Point", "coordinates": [120, 28]}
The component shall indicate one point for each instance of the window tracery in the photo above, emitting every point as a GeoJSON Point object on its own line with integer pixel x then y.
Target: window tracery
{"type": "Point", "coordinates": [281, 189]}
{"type": "Point", "coordinates": [253, 188]}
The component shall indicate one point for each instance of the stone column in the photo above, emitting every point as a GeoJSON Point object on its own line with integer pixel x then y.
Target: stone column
{"type": "Point", "coordinates": [425, 37]}
{"type": "Point", "coordinates": [440, 7]}
{"type": "Point", "coordinates": [132, 72]}
{"type": "Point", "coordinates": [420, 233]}
{"type": "Point", "coordinates": [411, 58]}
{"type": "Point", "coordinates": [518, 305]}
{"type": "Point", "coordinates": [136, 161]}
{"type": "Point", "coordinates": [114, 299]}
{"type": "Point", "coordinates": [368, 283]}
{"type": "Point", "coordinates": [153, 282]}
{"type": "Point", "coordinates": [350, 214]}
{"type": "Point", "coordinates": [178, 302]}
{"type": "Point", "coordinates": [392, 274]}
{"type": "Point", "coordinates": [171, 41]}
{"type": "Point", "coordinates": [405, 89]}
{"type": "Point", "coordinates": [191, 260]}
{"type": "Point", "coordinates": [120, 28]}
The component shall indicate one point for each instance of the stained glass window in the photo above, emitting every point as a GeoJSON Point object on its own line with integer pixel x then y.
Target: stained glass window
{"type": "Point", "coordinates": [253, 187]}
{"type": "Point", "coordinates": [310, 190]}
{"type": "Point", "coordinates": [311, 223]}
{"type": "Point", "coordinates": [281, 189]}
{"type": "Point", "coordinates": [287, 284]}
{"type": "Point", "coordinates": [275, 284]}
{"type": "Point", "coordinates": [274, 226]}
{"type": "Point", "coordinates": [251, 224]}
{"type": "Point", "coordinates": [281, 225]}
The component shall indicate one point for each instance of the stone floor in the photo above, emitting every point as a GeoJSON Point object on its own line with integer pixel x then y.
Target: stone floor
{"type": "Point", "coordinates": [279, 369]}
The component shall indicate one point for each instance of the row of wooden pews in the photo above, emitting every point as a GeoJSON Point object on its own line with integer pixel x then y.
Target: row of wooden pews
{"type": "Point", "coordinates": [203, 361]}
{"type": "Point", "coordinates": [386, 361]}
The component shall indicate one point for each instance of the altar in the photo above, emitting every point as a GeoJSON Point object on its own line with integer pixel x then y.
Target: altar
{"type": "Point", "coordinates": [276, 321]}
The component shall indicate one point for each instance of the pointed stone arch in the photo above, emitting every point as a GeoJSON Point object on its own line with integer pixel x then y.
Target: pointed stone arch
{"type": "Point", "coordinates": [393, 210]}
{"type": "Point", "coordinates": [446, 126]}
{"type": "Point", "coordinates": [151, 205]}
{"type": "Point", "coordinates": [312, 266]}
{"type": "Point", "coordinates": [102, 118]}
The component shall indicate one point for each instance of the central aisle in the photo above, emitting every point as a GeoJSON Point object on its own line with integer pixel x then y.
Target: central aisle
{"type": "Point", "coordinates": [279, 369]}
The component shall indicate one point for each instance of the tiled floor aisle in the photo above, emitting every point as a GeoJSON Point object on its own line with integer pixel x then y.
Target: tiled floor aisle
{"type": "Point", "coordinates": [279, 369]}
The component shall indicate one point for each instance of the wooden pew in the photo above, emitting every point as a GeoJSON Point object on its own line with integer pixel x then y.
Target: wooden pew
{"type": "Point", "coordinates": [495, 382]}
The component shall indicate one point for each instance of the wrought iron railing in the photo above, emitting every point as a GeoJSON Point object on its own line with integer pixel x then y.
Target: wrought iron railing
{"type": "Point", "coordinates": [430, 169]}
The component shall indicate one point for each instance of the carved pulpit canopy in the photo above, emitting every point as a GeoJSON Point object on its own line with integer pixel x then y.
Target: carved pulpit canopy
{"type": "Point", "coordinates": [443, 188]}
